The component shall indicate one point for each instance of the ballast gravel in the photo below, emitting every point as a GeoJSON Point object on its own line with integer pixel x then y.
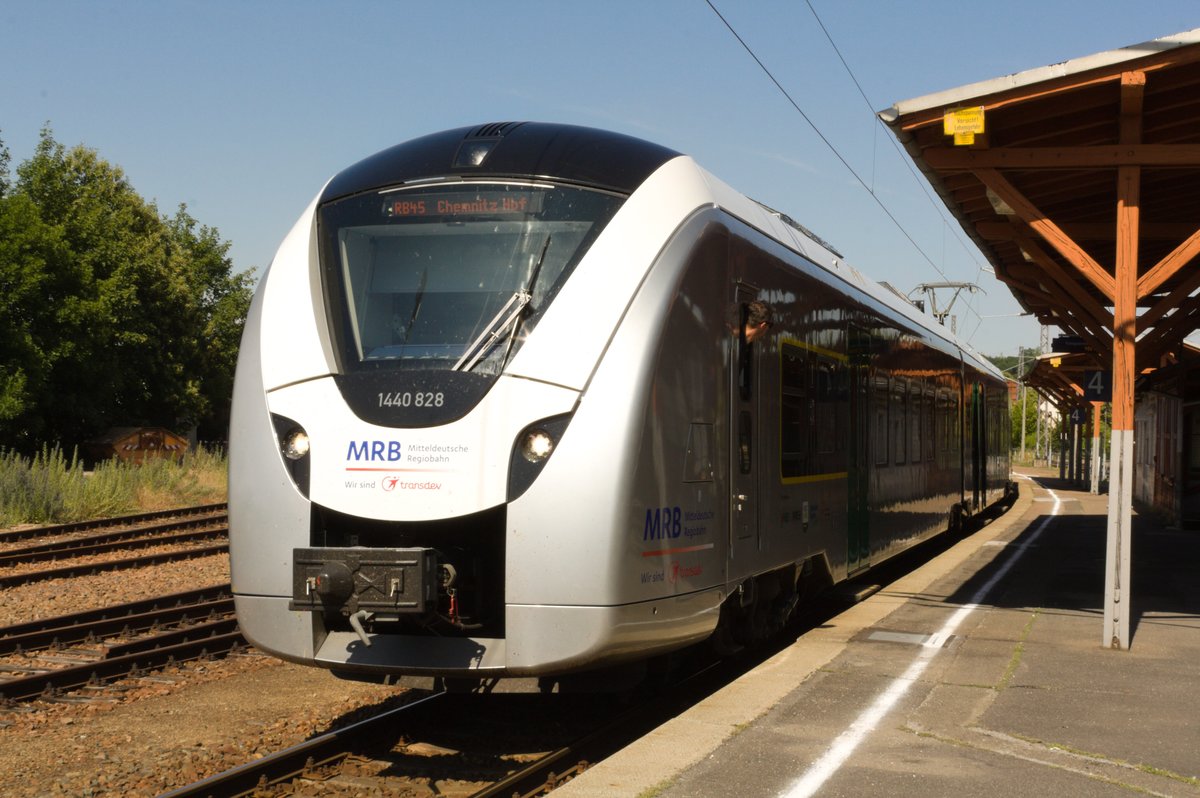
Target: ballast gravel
{"type": "Point", "coordinates": [153, 734]}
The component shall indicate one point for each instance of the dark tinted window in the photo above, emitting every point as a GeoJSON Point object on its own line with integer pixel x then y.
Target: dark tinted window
{"type": "Point", "coordinates": [451, 277]}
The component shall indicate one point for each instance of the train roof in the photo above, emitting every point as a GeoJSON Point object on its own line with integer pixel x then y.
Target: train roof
{"type": "Point", "coordinates": [588, 156]}
{"type": "Point", "coordinates": [800, 239]}
{"type": "Point", "coordinates": [596, 158]}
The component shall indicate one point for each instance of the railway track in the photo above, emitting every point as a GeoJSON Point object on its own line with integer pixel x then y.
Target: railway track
{"type": "Point", "coordinates": [467, 745]}
{"type": "Point", "coordinates": [139, 519]}
{"type": "Point", "coordinates": [87, 650]}
{"type": "Point", "coordinates": [490, 745]}
{"type": "Point", "coordinates": [78, 549]}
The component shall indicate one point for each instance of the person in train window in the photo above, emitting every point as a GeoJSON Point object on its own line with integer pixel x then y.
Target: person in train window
{"type": "Point", "coordinates": [758, 320]}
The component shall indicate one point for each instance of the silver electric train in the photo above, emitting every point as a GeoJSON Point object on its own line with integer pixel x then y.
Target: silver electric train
{"type": "Point", "coordinates": [538, 400]}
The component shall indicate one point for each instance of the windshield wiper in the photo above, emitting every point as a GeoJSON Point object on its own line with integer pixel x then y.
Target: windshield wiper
{"type": "Point", "coordinates": [494, 329]}
{"type": "Point", "coordinates": [529, 284]}
{"type": "Point", "coordinates": [412, 319]}
{"type": "Point", "coordinates": [522, 297]}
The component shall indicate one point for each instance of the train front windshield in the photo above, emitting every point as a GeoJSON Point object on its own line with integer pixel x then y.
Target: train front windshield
{"type": "Point", "coordinates": [451, 277]}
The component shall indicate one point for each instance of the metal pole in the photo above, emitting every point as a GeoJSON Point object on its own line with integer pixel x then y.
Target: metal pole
{"type": "Point", "coordinates": [1080, 453]}
{"type": "Point", "coordinates": [1024, 390]}
{"type": "Point", "coordinates": [1037, 436]}
{"type": "Point", "coordinates": [1062, 447]}
{"type": "Point", "coordinates": [1075, 451]}
{"type": "Point", "coordinates": [1085, 453]}
{"type": "Point", "coordinates": [1105, 441]}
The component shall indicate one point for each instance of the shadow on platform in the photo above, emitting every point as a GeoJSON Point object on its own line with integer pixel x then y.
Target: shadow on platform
{"type": "Point", "coordinates": [1065, 568]}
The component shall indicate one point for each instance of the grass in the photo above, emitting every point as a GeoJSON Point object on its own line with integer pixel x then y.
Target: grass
{"type": "Point", "coordinates": [1018, 652]}
{"type": "Point", "coordinates": [51, 488]}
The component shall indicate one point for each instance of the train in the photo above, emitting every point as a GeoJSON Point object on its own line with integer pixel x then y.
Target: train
{"type": "Point", "coordinates": [538, 400]}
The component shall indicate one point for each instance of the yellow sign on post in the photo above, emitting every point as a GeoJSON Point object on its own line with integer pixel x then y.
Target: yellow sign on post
{"type": "Point", "coordinates": [963, 124]}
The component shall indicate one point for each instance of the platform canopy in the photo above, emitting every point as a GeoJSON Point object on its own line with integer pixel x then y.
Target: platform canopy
{"type": "Point", "coordinates": [1080, 183]}
{"type": "Point", "coordinates": [1062, 149]}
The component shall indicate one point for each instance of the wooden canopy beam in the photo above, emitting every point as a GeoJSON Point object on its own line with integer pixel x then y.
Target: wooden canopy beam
{"type": "Point", "coordinates": [1090, 231]}
{"type": "Point", "coordinates": [1067, 390]}
{"type": "Point", "coordinates": [1173, 329]}
{"type": "Point", "coordinates": [1172, 300]}
{"type": "Point", "coordinates": [1050, 389]}
{"type": "Point", "coordinates": [1169, 266]}
{"type": "Point", "coordinates": [1085, 157]}
{"type": "Point", "coordinates": [1047, 229]}
{"type": "Point", "coordinates": [1091, 309]}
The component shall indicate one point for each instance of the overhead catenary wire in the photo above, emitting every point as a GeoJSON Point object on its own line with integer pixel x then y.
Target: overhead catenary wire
{"type": "Point", "coordinates": [829, 144]}
{"type": "Point", "coordinates": [941, 210]}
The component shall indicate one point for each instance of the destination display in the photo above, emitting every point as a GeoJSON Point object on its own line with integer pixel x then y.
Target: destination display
{"type": "Point", "coordinates": [466, 203]}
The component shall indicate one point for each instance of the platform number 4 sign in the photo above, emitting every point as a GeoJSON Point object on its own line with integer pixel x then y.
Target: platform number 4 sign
{"type": "Point", "coordinates": [1097, 386]}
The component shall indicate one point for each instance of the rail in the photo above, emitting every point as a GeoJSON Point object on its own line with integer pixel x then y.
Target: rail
{"type": "Point", "coordinates": [201, 626]}
{"type": "Point", "coordinates": [55, 530]}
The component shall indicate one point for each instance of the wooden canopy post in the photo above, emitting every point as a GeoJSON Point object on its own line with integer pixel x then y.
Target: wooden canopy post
{"type": "Point", "coordinates": [1117, 586]}
{"type": "Point", "coordinates": [1097, 446]}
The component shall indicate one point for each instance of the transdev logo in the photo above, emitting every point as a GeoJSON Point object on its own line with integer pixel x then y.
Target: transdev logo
{"type": "Point", "coordinates": [373, 451]}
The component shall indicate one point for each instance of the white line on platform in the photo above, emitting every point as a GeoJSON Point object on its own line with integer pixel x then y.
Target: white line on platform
{"type": "Point", "coordinates": [845, 744]}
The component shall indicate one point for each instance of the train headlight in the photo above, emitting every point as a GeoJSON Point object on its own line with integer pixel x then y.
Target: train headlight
{"type": "Point", "coordinates": [536, 445]}
{"type": "Point", "coordinates": [295, 444]}
{"type": "Point", "coordinates": [531, 450]}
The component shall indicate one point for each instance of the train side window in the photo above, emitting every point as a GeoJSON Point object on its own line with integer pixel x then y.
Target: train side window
{"type": "Point", "coordinates": [942, 425]}
{"type": "Point", "coordinates": [915, 390]}
{"type": "Point", "coordinates": [899, 402]}
{"type": "Point", "coordinates": [956, 421]}
{"type": "Point", "coordinates": [813, 408]}
{"type": "Point", "coordinates": [795, 421]}
{"type": "Point", "coordinates": [929, 444]}
{"type": "Point", "coordinates": [879, 410]}
{"type": "Point", "coordinates": [825, 421]}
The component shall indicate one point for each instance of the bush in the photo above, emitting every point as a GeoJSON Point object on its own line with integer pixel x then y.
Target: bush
{"type": "Point", "coordinates": [50, 488]}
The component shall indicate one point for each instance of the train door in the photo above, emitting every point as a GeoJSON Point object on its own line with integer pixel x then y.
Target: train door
{"type": "Point", "coordinates": [858, 540]}
{"type": "Point", "coordinates": [744, 457]}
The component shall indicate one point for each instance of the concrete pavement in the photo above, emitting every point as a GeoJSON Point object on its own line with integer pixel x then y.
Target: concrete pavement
{"type": "Point", "coordinates": [979, 673]}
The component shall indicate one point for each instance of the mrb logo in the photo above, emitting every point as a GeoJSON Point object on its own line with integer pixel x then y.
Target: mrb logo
{"type": "Point", "coordinates": [374, 451]}
{"type": "Point", "coordinates": [663, 523]}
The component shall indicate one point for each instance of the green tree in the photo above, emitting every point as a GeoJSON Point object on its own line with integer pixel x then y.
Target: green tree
{"type": "Point", "coordinates": [4, 159]}
{"type": "Point", "coordinates": [122, 316]}
{"type": "Point", "coordinates": [1029, 410]}
{"type": "Point", "coordinates": [1006, 363]}
{"type": "Point", "coordinates": [38, 278]}
{"type": "Point", "coordinates": [220, 299]}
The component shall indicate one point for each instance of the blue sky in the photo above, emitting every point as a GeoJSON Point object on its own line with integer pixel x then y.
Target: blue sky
{"type": "Point", "coordinates": [242, 110]}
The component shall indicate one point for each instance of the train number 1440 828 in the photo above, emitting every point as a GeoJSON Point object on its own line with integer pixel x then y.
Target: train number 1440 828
{"type": "Point", "coordinates": [412, 399]}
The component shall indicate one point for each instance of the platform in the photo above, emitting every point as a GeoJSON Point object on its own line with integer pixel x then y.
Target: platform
{"type": "Point", "coordinates": [981, 673]}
